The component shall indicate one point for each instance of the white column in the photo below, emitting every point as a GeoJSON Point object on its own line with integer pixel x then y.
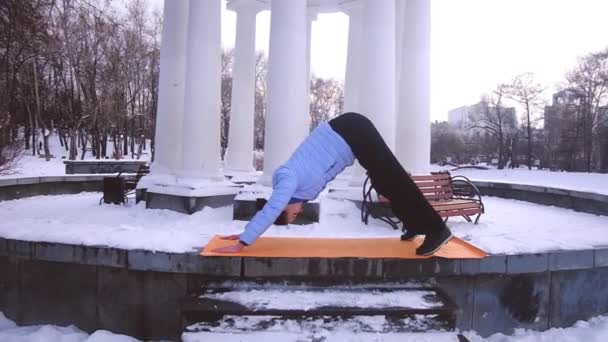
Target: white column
{"type": "Point", "coordinates": [354, 62]}
{"type": "Point", "coordinates": [378, 87]}
{"type": "Point", "coordinates": [171, 86]}
{"type": "Point", "coordinates": [201, 124]}
{"type": "Point", "coordinates": [399, 26]}
{"type": "Point", "coordinates": [239, 154]}
{"type": "Point", "coordinates": [311, 16]}
{"type": "Point", "coordinates": [352, 78]}
{"type": "Point", "coordinates": [377, 91]}
{"type": "Point", "coordinates": [414, 122]}
{"type": "Point", "coordinates": [286, 118]}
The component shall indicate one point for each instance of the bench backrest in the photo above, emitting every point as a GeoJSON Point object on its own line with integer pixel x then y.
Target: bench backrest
{"type": "Point", "coordinates": [435, 186]}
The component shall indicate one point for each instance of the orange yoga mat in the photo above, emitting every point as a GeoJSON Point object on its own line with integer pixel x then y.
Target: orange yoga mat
{"type": "Point", "coordinates": [281, 247]}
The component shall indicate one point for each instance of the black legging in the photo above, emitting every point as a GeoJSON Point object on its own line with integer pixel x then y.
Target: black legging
{"type": "Point", "coordinates": [386, 173]}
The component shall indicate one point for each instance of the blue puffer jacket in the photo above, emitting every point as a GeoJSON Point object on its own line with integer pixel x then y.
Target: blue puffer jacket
{"type": "Point", "coordinates": [317, 161]}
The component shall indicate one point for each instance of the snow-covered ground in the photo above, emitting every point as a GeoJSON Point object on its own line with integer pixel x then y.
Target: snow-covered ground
{"type": "Point", "coordinates": [10, 332]}
{"type": "Point", "coordinates": [509, 226]}
{"type": "Point", "coordinates": [34, 166]}
{"type": "Point", "coordinates": [594, 330]}
{"type": "Point", "coordinates": [580, 181]}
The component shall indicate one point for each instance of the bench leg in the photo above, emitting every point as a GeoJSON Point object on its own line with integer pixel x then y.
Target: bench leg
{"type": "Point", "coordinates": [477, 219]}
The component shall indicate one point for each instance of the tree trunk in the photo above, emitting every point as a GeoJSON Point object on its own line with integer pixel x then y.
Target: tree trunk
{"type": "Point", "coordinates": [84, 146]}
{"type": "Point", "coordinates": [132, 137]}
{"type": "Point", "coordinates": [529, 154]}
{"type": "Point", "coordinates": [26, 136]}
{"type": "Point", "coordinates": [73, 144]}
{"type": "Point", "coordinates": [104, 145]}
{"type": "Point", "coordinates": [29, 114]}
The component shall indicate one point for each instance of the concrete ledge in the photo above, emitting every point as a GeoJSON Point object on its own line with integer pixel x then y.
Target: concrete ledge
{"type": "Point", "coordinates": [186, 204]}
{"type": "Point", "coordinates": [105, 256]}
{"type": "Point", "coordinates": [587, 202]}
{"type": "Point", "coordinates": [527, 263]}
{"type": "Point", "coordinates": [28, 180]}
{"type": "Point", "coordinates": [3, 248]}
{"type": "Point", "coordinates": [59, 252]}
{"type": "Point", "coordinates": [78, 254]}
{"type": "Point", "coordinates": [404, 268]}
{"type": "Point", "coordinates": [19, 249]}
{"type": "Point", "coordinates": [346, 267]}
{"type": "Point", "coordinates": [492, 264]}
{"type": "Point", "coordinates": [571, 260]}
{"type": "Point", "coordinates": [103, 166]}
{"type": "Point", "coordinates": [8, 181]}
{"type": "Point", "coordinates": [192, 262]}
{"type": "Point", "coordinates": [601, 257]}
{"type": "Point", "coordinates": [140, 260]}
{"type": "Point", "coordinates": [275, 267]}
{"type": "Point", "coordinates": [558, 191]}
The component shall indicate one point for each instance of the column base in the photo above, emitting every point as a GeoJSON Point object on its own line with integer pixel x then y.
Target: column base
{"type": "Point", "coordinates": [243, 177]}
{"type": "Point", "coordinates": [245, 205]}
{"type": "Point", "coordinates": [185, 195]}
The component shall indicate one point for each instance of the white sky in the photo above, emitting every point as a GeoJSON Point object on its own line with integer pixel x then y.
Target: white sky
{"type": "Point", "coordinates": [475, 44]}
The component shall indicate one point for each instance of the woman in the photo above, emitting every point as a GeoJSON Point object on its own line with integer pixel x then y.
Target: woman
{"type": "Point", "coordinates": [326, 152]}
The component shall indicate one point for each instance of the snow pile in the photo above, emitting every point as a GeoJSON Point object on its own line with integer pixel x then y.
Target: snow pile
{"type": "Point", "coordinates": [10, 332]}
{"type": "Point", "coordinates": [34, 166]}
{"type": "Point", "coordinates": [594, 330]}
{"type": "Point", "coordinates": [310, 300]}
{"type": "Point", "coordinates": [579, 181]}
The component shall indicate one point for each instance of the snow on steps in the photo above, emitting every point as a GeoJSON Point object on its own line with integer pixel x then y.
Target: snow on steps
{"type": "Point", "coordinates": [315, 311]}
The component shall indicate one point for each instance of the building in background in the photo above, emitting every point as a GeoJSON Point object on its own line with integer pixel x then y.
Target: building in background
{"type": "Point", "coordinates": [467, 118]}
{"type": "Point", "coordinates": [565, 127]}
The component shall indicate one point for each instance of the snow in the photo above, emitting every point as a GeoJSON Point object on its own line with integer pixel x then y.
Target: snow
{"type": "Point", "coordinates": [309, 300]}
{"type": "Point", "coordinates": [356, 328]}
{"type": "Point", "coordinates": [594, 330]}
{"type": "Point", "coordinates": [10, 332]}
{"type": "Point", "coordinates": [579, 181]}
{"type": "Point", "coordinates": [509, 226]}
{"type": "Point", "coordinates": [34, 166]}
{"type": "Point", "coordinates": [326, 337]}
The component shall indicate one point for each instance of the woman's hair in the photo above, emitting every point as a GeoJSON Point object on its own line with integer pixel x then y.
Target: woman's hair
{"type": "Point", "coordinates": [280, 221]}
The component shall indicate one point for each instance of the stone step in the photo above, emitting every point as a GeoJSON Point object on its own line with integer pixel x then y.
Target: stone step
{"type": "Point", "coordinates": [317, 309]}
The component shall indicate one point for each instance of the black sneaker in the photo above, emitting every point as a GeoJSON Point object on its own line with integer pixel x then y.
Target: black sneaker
{"type": "Point", "coordinates": [434, 241]}
{"type": "Point", "coordinates": [408, 236]}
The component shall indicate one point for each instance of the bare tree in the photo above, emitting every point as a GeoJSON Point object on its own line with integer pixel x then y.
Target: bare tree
{"type": "Point", "coordinates": [527, 92]}
{"type": "Point", "coordinates": [447, 144]}
{"type": "Point", "coordinates": [226, 93]}
{"type": "Point", "coordinates": [497, 121]}
{"type": "Point", "coordinates": [326, 100]}
{"type": "Point", "coordinates": [590, 80]}
{"type": "Point", "coordinates": [261, 92]}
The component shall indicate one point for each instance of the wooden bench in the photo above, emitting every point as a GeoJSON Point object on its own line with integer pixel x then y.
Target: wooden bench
{"type": "Point", "coordinates": [449, 196]}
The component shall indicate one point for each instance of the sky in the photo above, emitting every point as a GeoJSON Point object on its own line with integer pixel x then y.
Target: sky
{"type": "Point", "coordinates": [475, 44]}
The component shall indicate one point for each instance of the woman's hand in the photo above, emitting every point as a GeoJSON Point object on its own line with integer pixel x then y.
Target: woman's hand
{"type": "Point", "coordinates": [230, 237]}
{"type": "Point", "coordinates": [237, 248]}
